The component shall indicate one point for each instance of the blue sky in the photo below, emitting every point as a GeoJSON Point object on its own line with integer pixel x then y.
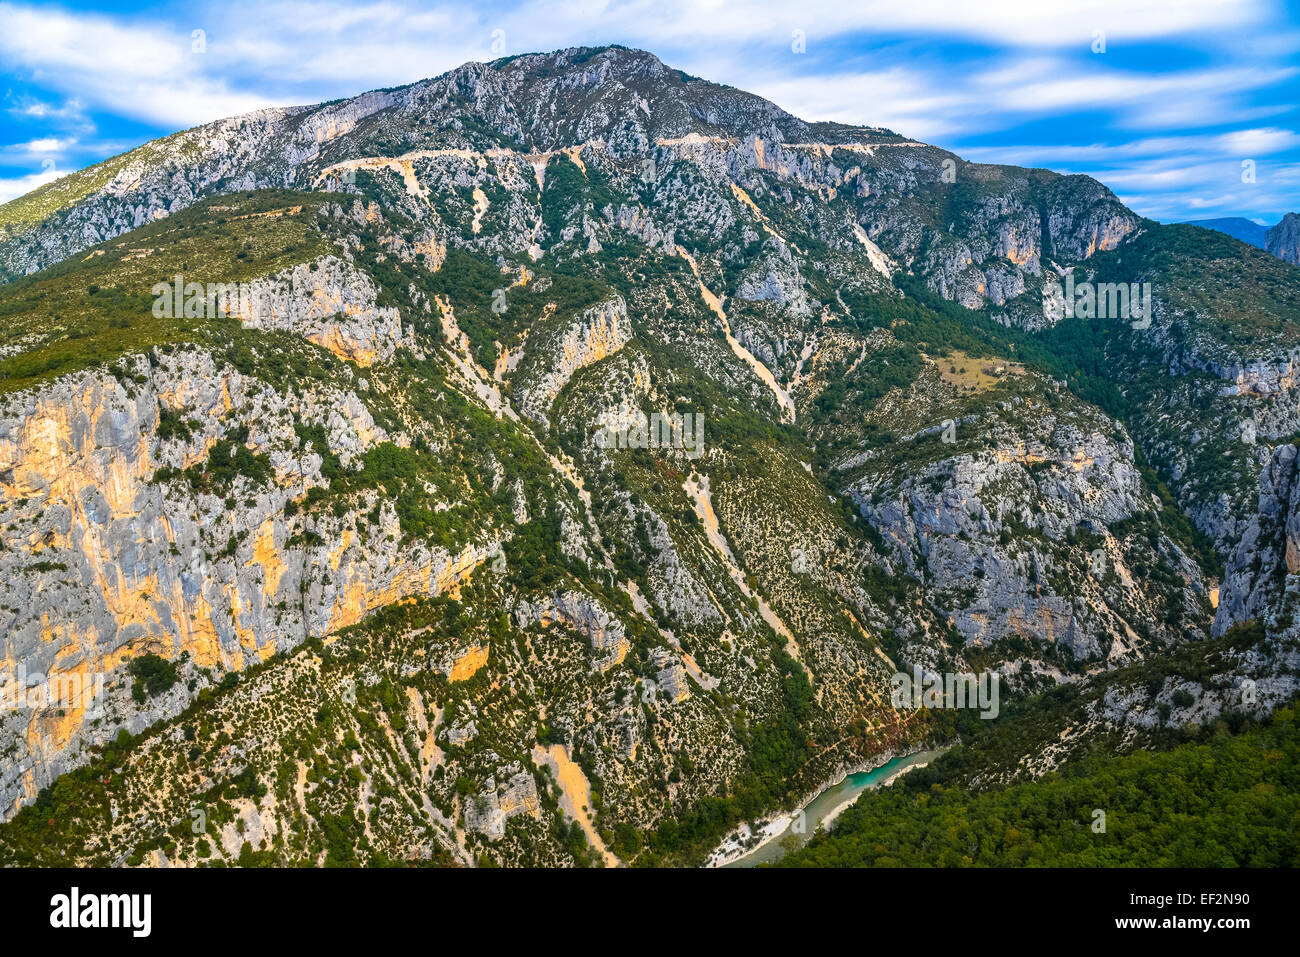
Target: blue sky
{"type": "Point", "coordinates": [1163, 101]}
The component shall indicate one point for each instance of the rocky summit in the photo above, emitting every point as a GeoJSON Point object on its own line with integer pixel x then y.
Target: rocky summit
{"type": "Point", "coordinates": [557, 462]}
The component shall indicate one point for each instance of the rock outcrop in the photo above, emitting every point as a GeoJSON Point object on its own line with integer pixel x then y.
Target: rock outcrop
{"type": "Point", "coordinates": [1283, 239]}
{"type": "Point", "coordinates": [554, 355]}
{"type": "Point", "coordinates": [328, 302]}
{"type": "Point", "coordinates": [487, 813]}
{"type": "Point", "coordinates": [1263, 576]}
{"type": "Point", "coordinates": [110, 552]}
{"type": "Point", "coordinates": [1013, 537]}
{"type": "Point", "coordinates": [606, 634]}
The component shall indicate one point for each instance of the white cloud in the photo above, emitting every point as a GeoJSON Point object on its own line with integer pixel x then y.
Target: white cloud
{"type": "Point", "coordinates": [1023, 23]}
{"type": "Point", "coordinates": [1163, 177]}
{"type": "Point", "coordinates": [140, 71]}
{"type": "Point", "coordinates": [16, 186]}
{"type": "Point", "coordinates": [43, 146]}
{"type": "Point", "coordinates": [907, 101]}
{"type": "Point", "coordinates": [1236, 144]}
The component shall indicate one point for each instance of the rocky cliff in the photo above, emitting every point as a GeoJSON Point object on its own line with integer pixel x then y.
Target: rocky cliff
{"type": "Point", "coordinates": [1283, 239]}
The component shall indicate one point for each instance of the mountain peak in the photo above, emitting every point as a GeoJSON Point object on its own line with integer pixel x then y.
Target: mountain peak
{"type": "Point", "coordinates": [571, 57]}
{"type": "Point", "coordinates": [1283, 240]}
{"type": "Point", "coordinates": [625, 97]}
{"type": "Point", "coordinates": [626, 104]}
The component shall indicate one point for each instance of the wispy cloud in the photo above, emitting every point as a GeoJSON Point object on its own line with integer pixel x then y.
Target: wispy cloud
{"type": "Point", "coordinates": [13, 187]}
{"type": "Point", "coordinates": [144, 71]}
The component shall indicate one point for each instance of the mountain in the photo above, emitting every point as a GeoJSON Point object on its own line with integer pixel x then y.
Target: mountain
{"type": "Point", "coordinates": [555, 462]}
{"type": "Point", "coordinates": [1238, 227]}
{"type": "Point", "coordinates": [1283, 240]}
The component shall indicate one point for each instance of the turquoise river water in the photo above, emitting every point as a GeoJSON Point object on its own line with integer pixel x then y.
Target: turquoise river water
{"type": "Point", "coordinates": [829, 803]}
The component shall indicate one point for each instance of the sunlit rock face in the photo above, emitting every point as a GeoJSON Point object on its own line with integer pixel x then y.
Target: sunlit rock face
{"type": "Point", "coordinates": [598, 332]}
{"type": "Point", "coordinates": [328, 302]}
{"type": "Point", "coordinates": [105, 562]}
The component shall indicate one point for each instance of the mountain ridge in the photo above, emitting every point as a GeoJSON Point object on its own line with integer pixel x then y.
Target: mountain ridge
{"type": "Point", "coordinates": [365, 581]}
{"type": "Point", "coordinates": [1238, 227]}
{"type": "Point", "coordinates": [315, 126]}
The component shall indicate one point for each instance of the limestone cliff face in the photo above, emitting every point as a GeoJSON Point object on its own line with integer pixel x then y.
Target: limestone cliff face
{"type": "Point", "coordinates": [464, 666]}
{"type": "Point", "coordinates": [488, 812]}
{"type": "Point", "coordinates": [554, 356]}
{"type": "Point", "coordinates": [1261, 377]}
{"type": "Point", "coordinates": [328, 302]}
{"type": "Point", "coordinates": [1258, 371]}
{"type": "Point", "coordinates": [1013, 538]}
{"type": "Point", "coordinates": [991, 250]}
{"type": "Point", "coordinates": [1084, 217]}
{"type": "Point", "coordinates": [1215, 400]}
{"type": "Point", "coordinates": [670, 678]}
{"type": "Point", "coordinates": [775, 279]}
{"type": "Point", "coordinates": [103, 562]}
{"type": "Point", "coordinates": [606, 634]}
{"type": "Point", "coordinates": [1261, 577]}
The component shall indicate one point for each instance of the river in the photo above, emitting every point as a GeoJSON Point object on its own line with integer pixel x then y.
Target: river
{"type": "Point", "coordinates": [825, 806]}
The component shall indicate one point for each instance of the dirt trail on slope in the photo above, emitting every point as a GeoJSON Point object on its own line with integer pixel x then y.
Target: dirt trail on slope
{"type": "Point", "coordinates": [575, 794]}
{"type": "Point", "coordinates": [697, 487]}
{"type": "Point", "coordinates": [763, 372]}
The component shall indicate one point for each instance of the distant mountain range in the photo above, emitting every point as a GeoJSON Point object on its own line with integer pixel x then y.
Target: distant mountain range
{"type": "Point", "coordinates": [1238, 227]}
{"type": "Point", "coordinates": [1280, 240]}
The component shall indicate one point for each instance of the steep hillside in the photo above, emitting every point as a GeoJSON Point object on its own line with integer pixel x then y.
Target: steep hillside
{"type": "Point", "coordinates": [1070, 779]}
{"type": "Point", "coordinates": [553, 462]}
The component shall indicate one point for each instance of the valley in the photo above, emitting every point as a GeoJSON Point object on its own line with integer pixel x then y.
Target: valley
{"type": "Point", "coordinates": [363, 585]}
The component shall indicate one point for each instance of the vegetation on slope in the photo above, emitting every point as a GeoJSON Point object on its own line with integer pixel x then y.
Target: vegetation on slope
{"type": "Point", "coordinates": [1217, 791]}
{"type": "Point", "coordinates": [96, 307]}
{"type": "Point", "coordinates": [1231, 801]}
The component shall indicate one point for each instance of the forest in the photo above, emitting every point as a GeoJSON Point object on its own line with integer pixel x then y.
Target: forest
{"type": "Point", "coordinates": [1229, 800]}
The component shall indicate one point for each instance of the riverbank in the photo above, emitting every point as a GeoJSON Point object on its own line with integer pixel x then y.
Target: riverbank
{"type": "Point", "coordinates": [746, 847]}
